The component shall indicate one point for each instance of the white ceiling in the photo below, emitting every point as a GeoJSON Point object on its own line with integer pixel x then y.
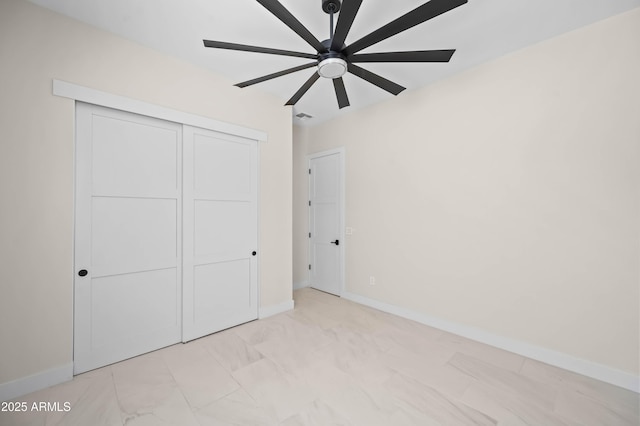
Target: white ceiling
{"type": "Point", "coordinates": [480, 30]}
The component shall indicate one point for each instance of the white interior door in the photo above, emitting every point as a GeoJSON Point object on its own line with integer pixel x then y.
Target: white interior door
{"type": "Point", "coordinates": [128, 236]}
{"type": "Point", "coordinates": [326, 221]}
{"type": "Point", "coordinates": [220, 232]}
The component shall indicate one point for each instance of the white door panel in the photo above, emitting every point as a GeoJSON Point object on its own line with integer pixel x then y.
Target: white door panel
{"type": "Point", "coordinates": [153, 290]}
{"type": "Point", "coordinates": [128, 224]}
{"type": "Point", "coordinates": [133, 234]}
{"type": "Point", "coordinates": [222, 230]}
{"type": "Point", "coordinates": [220, 199]}
{"type": "Point", "coordinates": [232, 289]}
{"type": "Point", "coordinates": [149, 166]}
{"type": "Point", "coordinates": [326, 261]}
{"type": "Point", "coordinates": [222, 167]}
{"type": "Point", "coordinates": [325, 221]}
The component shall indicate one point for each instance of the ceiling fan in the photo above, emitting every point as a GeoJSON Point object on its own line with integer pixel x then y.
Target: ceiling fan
{"type": "Point", "coordinates": [333, 58]}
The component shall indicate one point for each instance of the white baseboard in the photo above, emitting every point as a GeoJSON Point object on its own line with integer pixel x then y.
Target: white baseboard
{"type": "Point", "coordinates": [268, 311]}
{"type": "Point", "coordinates": [301, 284]}
{"type": "Point", "coordinates": [36, 382]}
{"type": "Point", "coordinates": [558, 359]}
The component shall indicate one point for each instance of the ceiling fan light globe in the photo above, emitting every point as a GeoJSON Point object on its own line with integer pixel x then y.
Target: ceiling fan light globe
{"type": "Point", "coordinates": [332, 68]}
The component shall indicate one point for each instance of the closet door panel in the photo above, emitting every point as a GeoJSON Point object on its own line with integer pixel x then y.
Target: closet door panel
{"type": "Point", "coordinates": [220, 232]}
{"type": "Point", "coordinates": [153, 290]}
{"type": "Point", "coordinates": [221, 229]}
{"type": "Point", "coordinates": [130, 157]}
{"type": "Point", "coordinates": [127, 287]}
{"type": "Point", "coordinates": [222, 167]}
{"type": "Point", "coordinates": [221, 288]}
{"type": "Point", "coordinates": [133, 234]}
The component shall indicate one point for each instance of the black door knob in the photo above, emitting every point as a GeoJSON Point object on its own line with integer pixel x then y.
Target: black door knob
{"type": "Point", "coordinates": [82, 272]}
{"type": "Point", "coordinates": [336, 242]}
{"type": "Point", "coordinates": [254, 253]}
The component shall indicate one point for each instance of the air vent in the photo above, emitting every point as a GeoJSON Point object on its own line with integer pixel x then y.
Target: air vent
{"type": "Point", "coordinates": [303, 116]}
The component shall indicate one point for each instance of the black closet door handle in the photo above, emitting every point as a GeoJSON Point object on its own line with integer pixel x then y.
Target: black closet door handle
{"type": "Point", "coordinates": [336, 242]}
{"type": "Point", "coordinates": [83, 272]}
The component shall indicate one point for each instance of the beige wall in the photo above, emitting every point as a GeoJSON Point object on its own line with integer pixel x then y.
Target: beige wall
{"type": "Point", "coordinates": [36, 167]}
{"type": "Point", "coordinates": [507, 198]}
{"type": "Point", "coordinates": [300, 207]}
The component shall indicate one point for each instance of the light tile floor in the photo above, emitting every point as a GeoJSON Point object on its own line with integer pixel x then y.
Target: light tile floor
{"type": "Point", "coordinates": [332, 362]}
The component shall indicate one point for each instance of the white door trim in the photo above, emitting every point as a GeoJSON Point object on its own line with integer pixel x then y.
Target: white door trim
{"type": "Point", "coordinates": [343, 243]}
{"type": "Point", "coordinates": [97, 97]}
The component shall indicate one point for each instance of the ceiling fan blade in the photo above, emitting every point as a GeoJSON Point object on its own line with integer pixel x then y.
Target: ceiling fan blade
{"type": "Point", "coordinates": [341, 92]}
{"type": "Point", "coordinates": [306, 86]}
{"type": "Point", "coordinates": [372, 78]}
{"type": "Point", "coordinates": [347, 14]}
{"type": "Point", "coordinates": [417, 16]}
{"type": "Point", "coordinates": [256, 49]}
{"type": "Point", "coordinates": [290, 21]}
{"type": "Point", "coordinates": [415, 56]}
{"type": "Point", "coordinates": [276, 74]}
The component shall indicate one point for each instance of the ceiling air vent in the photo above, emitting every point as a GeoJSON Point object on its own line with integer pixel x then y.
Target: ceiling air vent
{"type": "Point", "coordinates": [303, 116]}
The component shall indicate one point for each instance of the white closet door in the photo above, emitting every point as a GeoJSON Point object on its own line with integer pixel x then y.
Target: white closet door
{"type": "Point", "coordinates": [128, 236]}
{"type": "Point", "coordinates": [220, 282]}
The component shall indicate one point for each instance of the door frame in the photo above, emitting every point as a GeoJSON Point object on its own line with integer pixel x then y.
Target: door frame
{"type": "Point", "coordinates": [341, 152]}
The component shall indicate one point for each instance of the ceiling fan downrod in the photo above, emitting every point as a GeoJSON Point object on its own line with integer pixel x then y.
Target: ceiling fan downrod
{"type": "Point", "coordinates": [331, 7]}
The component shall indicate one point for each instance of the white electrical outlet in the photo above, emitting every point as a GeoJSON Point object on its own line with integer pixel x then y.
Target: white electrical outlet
{"type": "Point", "coordinates": [349, 231]}
{"type": "Point", "coordinates": [372, 280]}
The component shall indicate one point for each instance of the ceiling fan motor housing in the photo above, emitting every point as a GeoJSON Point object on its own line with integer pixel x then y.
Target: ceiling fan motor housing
{"type": "Point", "coordinates": [331, 6]}
{"type": "Point", "coordinates": [332, 68]}
{"type": "Point", "coordinates": [331, 64]}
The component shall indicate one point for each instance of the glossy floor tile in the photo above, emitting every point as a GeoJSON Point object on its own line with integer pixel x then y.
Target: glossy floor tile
{"type": "Point", "coordinates": [330, 362]}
